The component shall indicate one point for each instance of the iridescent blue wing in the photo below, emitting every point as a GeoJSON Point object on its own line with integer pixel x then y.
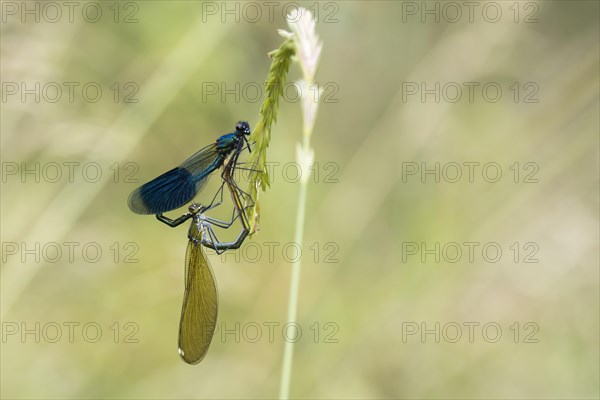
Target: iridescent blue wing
{"type": "Point", "coordinates": [176, 187]}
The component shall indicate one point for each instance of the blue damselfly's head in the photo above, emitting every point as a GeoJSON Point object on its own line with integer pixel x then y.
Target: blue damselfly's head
{"type": "Point", "coordinates": [242, 127]}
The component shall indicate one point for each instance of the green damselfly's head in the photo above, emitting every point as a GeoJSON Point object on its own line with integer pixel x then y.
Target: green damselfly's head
{"type": "Point", "coordinates": [242, 127]}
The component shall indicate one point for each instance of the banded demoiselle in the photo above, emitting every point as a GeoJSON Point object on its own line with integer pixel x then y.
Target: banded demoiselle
{"type": "Point", "coordinates": [180, 185]}
{"type": "Point", "coordinates": [200, 299]}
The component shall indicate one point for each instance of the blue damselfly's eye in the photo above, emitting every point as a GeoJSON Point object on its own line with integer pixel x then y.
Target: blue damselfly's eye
{"type": "Point", "coordinates": [243, 127]}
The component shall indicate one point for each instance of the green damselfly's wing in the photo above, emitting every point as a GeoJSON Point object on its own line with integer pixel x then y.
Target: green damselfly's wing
{"type": "Point", "coordinates": [200, 306]}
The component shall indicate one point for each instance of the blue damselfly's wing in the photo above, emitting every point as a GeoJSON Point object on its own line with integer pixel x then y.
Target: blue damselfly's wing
{"type": "Point", "coordinates": [177, 187]}
{"type": "Point", "coordinates": [200, 306]}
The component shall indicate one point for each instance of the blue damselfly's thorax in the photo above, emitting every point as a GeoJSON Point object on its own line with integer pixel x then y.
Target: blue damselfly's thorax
{"type": "Point", "coordinates": [235, 140]}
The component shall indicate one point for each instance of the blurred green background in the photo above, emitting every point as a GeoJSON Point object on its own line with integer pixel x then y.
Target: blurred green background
{"type": "Point", "coordinates": [369, 285]}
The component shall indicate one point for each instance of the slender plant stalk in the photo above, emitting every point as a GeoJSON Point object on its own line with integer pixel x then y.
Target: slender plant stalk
{"type": "Point", "coordinates": [308, 49]}
{"type": "Point", "coordinates": [303, 43]}
{"type": "Point", "coordinates": [288, 351]}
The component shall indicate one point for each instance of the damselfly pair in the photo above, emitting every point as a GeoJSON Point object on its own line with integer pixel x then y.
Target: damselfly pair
{"type": "Point", "coordinates": [174, 189]}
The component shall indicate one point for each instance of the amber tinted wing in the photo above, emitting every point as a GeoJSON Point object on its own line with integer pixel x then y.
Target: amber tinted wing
{"type": "Point", "coordinates": [200, 306]}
